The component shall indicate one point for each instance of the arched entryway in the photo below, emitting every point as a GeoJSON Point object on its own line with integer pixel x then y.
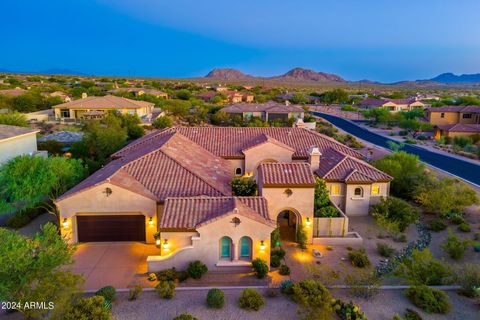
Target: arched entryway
{"type": "Point", "coordinates": [287, 222]}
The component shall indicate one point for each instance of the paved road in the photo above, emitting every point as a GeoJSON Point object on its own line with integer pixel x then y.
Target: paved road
{"type": "Point", "coordinates": [461, 168]}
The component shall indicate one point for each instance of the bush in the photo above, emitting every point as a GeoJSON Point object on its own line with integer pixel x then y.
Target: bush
{"type": "Point", "coordinates": [196, 269]}
{"type": "Point", "coordinates": [428, 299]}
{"type": "Point", "coordinates": [385, 250]}
{"type": "Point", "coordinates": [314, 299]}
{"type": "Point", "coordinates": [275, 261]}
{"type": "Point", "coordinates": [347, 310]}
{"type": "Point", "coordinates": [286, 287]}
{"type": "Point", "coordinates": [455, 247]}
{"type": "Point", "coordinates": [468, 277]}
{"type": "Point", "coordinates": [135, 292]}
{"type": "Point", "coordinates": [464, 227]}
{"type": "Point", "coordinates": [403, 133]}
{"type": "Point", "coordinates": [395, 212]}
{"type": "Point", "coordinates": [182, 275]}
{"type": "Point", "coordinates": [456, 218]}
{"type": "Point", "coordinates": [215, 298]}
{"type": "Point", "coordinates": [284, 270]}
{"type": "Point", "coordinates": [87, 308]}
{"type": "Point", "coordinates": [185, 316]}
{"type": "Point", "coordinates": [250, 299]}
{"type": "Point", "coordinates": [107, 292]}
{"type": "Point", "coordinates": [260, 268]}
{"type": "Point", "coordinates": [436, 224]}
{"type": "Point", "coordinates": [162, 122]}
{"type": "Point", "coordinates": [422, 269]}
{"type": "Point", "coordinates": [358, 258]}
{"type": "Point", "coordinates": [243, 187]}
{"type": "Point", "coordinates": [166, 289]}
{"type": "Point", "coordinates": [278, 252]}
{"type": "Point", "coordinates": [167, 275]}
{"type": "Point", "coordinates": [411, 315]}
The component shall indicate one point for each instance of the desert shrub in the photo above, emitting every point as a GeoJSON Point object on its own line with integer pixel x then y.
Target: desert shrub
{"type": "Point", "coordinates": [363, 284]}
{"type": "Point", "coordinates": [275, 261]}
{"type": "Point", "coordinates": [135, 292]}
{"type": "Point", "coordinates": [86, 309]}
{"type": "Point", "coordinates": [403, 133]}
{"type": "Point", "coordinates": [215, 298]}
{"type": "Point", "coordinates": [456, 217]}
{"type": "Point", "coordinates": [166, 289]}
{"type": "Point", "coordinates": [358, 258]}
{"type": "Point", "coordinates": [348, 311]}
{"type": "Point", "coordinates": [286, 287]}
{"type": "Point", "coordinates": [167, 275]}
{"type": "Point", "coordinates": [422, 269]}
{"type": "Point", "coordinates": [107, 292]}
{"type": "Point", "coordinates": [396, 213]}
{"type": "Point", "coordinates": [409, 315]}
{"type": "Point", "coordinates": [278, 252]}
{"type": "Point", "coordinates": [284, 270]}
{"type": "Point", "coordinates": [464, 227]}
{"type": "Point", "coordinates": [182, 275]}
{"type": "Point", "coordinates": [454, 247]}
{"type": "Point", "coordinates": [436, 224]}
{"type": "Point", "coordinates": [251, 299]}
{"type": "Point", "coordinates": [428, 299]}
{"type": "Point", "coordinates": [260, 268]}
{"type": "Point", "coordinates": [196, 269]}
{"type": "Point", "coordinates": [313, 298]}
{"type": "Point", "coordinates": [185, 316]}
{"type": "Point", "coordinates": [385, 250]}
{"type": "Point", "coordinates": [468, 277]}
{"type": "Point", "coordinates": [302, 237]}
{"type": "Point", "coordinates": [162, 122]}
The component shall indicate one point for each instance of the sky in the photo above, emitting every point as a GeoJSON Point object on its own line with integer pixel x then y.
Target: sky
{"type": "Point", "coordinates": [381, 40]}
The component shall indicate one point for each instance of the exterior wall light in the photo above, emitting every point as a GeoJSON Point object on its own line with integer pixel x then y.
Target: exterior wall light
{"type": "Point", "coordinates": [150, 221]}
{"type": "Point", "coordinates": [262, 246]}
{"type": "Point", "coordinates": [157, 242]}
{"type": "Point", "coordinates": [307, 223]}
{"type": "Point", "coordinates": [165, 244]}
{"type": "Point", "coordinates": [65, 223]}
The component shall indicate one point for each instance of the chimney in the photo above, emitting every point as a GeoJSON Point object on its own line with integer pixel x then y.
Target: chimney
{"type": "Point", "coordinates": [314, 158]}
{"type": "Point", "coordinates": [84, 95]}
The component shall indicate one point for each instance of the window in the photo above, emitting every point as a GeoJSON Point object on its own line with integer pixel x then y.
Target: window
{"type": "Point", "coordinates": [335, 189]}
{"type": "Point", "coordinates": [467, 116]}
{"type": "Point", "coordinates": [375, 190]}
{"type": "Point", "coordinates": [64, 113]}
{"type": "Point", "coordinates": [248, 115]}
{"type": "Point", "coordinates": [245, 247]}
{"type": "Point", "coordinates": [238, 171]}
{"type": "Point", "coordinates": [132, 111]}
{"type": "Point", "coordinates": [225, 247]}
{"type": "Point", "coordinates": [442, 115]}
{"type": "Point", "coordinates": [358, 192]}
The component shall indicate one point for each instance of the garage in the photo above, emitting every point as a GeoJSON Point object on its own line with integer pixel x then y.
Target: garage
{"type": "Point", "coordinates": [111, 228]}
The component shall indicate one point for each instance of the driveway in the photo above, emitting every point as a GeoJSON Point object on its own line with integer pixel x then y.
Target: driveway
{"type": "Point", "coordinates": [117, 264]}
{"type": "Point", "coordinates": [461, 168]}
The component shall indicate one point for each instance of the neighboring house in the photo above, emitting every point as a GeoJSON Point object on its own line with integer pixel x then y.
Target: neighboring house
{"type": "Point", "coordinates": [393, 105]}
{"type": "Point", "coordinates": [16, 141]}
{"type": "Point", "coordinates": [96, 107]}
{"type": "Point", "coordinates": [40, 116]}
{"type": "Point", "coordinates": [425, 96]}
{"type": "Point", "coordinates": [231, 96]}
{"type": "Point", "coordinates": [453, 121]}
{"type": "Point", "coordinates": [176, 182]}
{"type": "Point", "coordinates": [13, 92]}
{"type": "Point", "coordinates": [141, 91]}
{"type": "Point", "coordinates": [206, 96]}
{"type": "Point", "coordinates": [266, 111]}
{"type": "Point", "coordinates": [62, 95]}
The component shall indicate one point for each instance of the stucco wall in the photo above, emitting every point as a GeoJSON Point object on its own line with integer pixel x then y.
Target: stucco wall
{"type": "Point", "coordinates": [265, 152]}
{"type": "Point", "coordinates": [359, 206]}
{"type": "Point", "coordinates": [95, 201]}
{"type": "Point", "coordinates": [16, 146]}
{"type": "Point", "coordinates": [449, 118]}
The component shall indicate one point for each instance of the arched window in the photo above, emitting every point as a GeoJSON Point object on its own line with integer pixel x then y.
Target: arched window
{"type": "Point", "coordinates": [245, 248]}
{"type": "Point", "coordinates": [358, 192]}
{"type": "Point", "coordinates": [225, 248]}
{"type": "Point", "coordinates": [238, 171]}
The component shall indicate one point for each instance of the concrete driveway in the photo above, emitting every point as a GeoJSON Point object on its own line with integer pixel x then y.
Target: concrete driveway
{"type": "Point", "coordinates": [119, 264]}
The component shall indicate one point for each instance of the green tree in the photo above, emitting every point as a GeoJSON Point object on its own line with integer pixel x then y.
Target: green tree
{"type": "Point", "coordinates": [183, 94]}
{"type": "Point", "coordinates": [104, 138]}
{"type": "Point", "coordinates": [335, 96]}
{"type": "Point", "coordinates": [34, 270]}
{"type": "Point", "coordinates": [14, 119]}
{"type": "Point", "coordinates": [220, 118]}
{"type": "Point", "coordinates": [414, 127]}
{"type": "Point", "coordinates": [398, 214]}
{"type": "Point", "coordinates": [243, 187]}
{"type": "Point", "coordinates": [162, 122]}
{"type": "Point", "coordinates": [298, 98]}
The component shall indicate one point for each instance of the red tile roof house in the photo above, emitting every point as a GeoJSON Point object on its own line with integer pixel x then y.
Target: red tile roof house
{"type": "Point", "coordinates": [266, 111]}
{"type": "Point", "coordinates": [177, 181]}
{"type": "Point", "coordinates": [393, 105]}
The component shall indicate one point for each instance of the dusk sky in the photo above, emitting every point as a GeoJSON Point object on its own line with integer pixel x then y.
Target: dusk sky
{"type": "Point", "coordinates": [378, 40]}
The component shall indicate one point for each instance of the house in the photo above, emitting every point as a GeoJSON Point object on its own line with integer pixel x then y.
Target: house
{"type": "Point", "coordinates": [17, 141]}
{"type": "Point", "coordinates": [62, 95]}
{"type": "Point", "coordinates": [13, 92]}
{"type": "Point", "coordinates": [96, 107]}
{"type": "Point", "coordinates": [172, 188]}
{"type": "Point", "coordinates": [393, 105]}
{"type": "Point", "coordinates": [141, 91]}
{"type": "Point", "coordinates": [451, 121]}
{"type": "Point", "coordinates": [206, 96]}
{"type": "Point", "coordinates": [266, 111]}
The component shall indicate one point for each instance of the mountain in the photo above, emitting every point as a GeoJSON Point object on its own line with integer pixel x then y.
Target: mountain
{"type": "Point", "coordinates": [58, 71]}
{"type": "Point", "coordinates": [227, 74]}
{"type": "Point", "coordinates": [453, 78]}
{"type": "Point", "coordinates": [309, 75]}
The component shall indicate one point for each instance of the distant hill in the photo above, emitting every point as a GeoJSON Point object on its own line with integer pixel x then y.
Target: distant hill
{"type": "Point", "coordinates": [453, 78]}
{"type": "Point", "coordinates": [58, 71]}
{"type": "Point", "coordinates": [309, 75]}
{"type": "Point", "coordinates": [227, 74]}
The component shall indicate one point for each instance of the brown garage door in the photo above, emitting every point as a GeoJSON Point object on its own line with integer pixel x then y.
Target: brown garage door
{"type": "Point", "coordinates": [111, 228]}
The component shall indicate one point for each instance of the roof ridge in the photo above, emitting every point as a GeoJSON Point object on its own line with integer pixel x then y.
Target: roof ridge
{"type": "Point", "coordinates": [335, 166]}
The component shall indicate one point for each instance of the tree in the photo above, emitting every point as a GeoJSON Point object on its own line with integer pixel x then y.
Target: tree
{"type": "Point", "coordinates": [220, 118]}
{"type": "Point", "coordinates": [298, 98]}
{"type": "Point", "coordinates": [183, 94]}
{"type": "Point", "coordinates": [335, 96]}
{"type": "Point", "coordinates": [132, 123]}
{"type": "Point", "coordinates": [14, 119]}
{"type": "Point", "coordinates": [414, 127]}
{"type": "Point", "coordinates": [103, 139]}
{"type": "Point", "coordinates": [322, 207]}
{"type": "Point", "coordinates": [162, 122]}
{"type": "Point", "coordinates": [34, 270]}
{"type": "Point", "coordinates": [26, 181]}
{"type": "Point", "coordinates": [423, 268]}
{"type": "Point", "coordinates": [397, 213]}
{"type": "Point", "coordinates": [243, 187]}
{"type": "Point", "coordinates": [313, 298]}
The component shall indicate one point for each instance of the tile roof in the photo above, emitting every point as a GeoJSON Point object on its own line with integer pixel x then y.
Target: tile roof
{"type": "Point", "coordinates": [63, 137]}
{"type": "Point", "coordinates": [264, 138]}
{"type": "Point", "coordinates": [7, 131]}
{"type": "Point", "coordinates": [194, 212]}
{"type": "Point", "coordinates": [229, 142]}
{"type": "Point", "coordinates": [105, 102]}
{"type": "Point", "coordinates": [146, 90]}
{"type": "Point", "coordinates": [13, 92]}
{"type": "Point", "coordinates": [460, 127]}
{"type": "Point", "coordinates": [270, 106]}
{"type": "Point", "coordinates": [337, 166]}
{"type": "Point", "coordinates": [286, 174]}
{"type": "Point", "coordinates": [172, 166]}
{"type": "Point", "coordinates": [463, 109]}
{"type": "Point", "coordinates": [382, 101]}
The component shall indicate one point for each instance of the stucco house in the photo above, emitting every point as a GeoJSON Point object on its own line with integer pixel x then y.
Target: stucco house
{"type": "Point", "coordinates": [141, 91]}
{"type": "Point", "coordinates": [266, 111]}
{"type": "Point", "coordinates": [172, 188]}
{"type": "Point", "coordinates": [451, 121]}
{"type": "Point", "coordinates": [393, 105]}
{"type": "Point", "coordinates": [17, 141]}
{"type": "Point", "coordinates": [96, 107]}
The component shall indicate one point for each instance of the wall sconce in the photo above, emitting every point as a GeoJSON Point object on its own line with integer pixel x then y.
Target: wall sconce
{"type": "Point", "coordinates": [165, 244]}
{"type": "Point", "coordinates": [150, 221]}
{"type": "Point", "coordinates": [307, 223]}
{"type": "Point", "coordinates": [65, 223]}
{"type": "Point", "coordinates": [262, 246]}
{"type": "Point", "coordinates": [157, 242]}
